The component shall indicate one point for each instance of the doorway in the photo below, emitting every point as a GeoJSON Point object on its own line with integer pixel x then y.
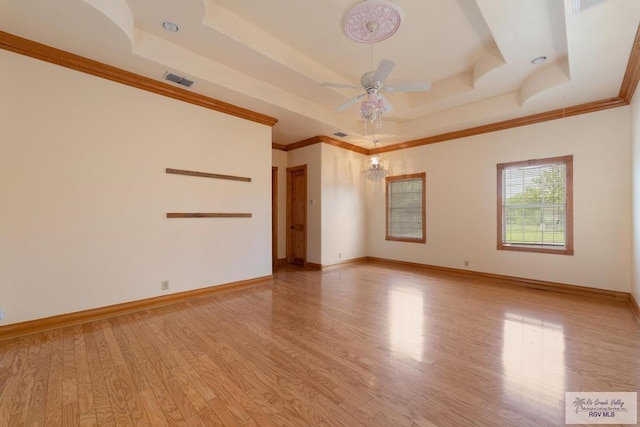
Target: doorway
{"type": "Point", "coordinates": [297, 215]}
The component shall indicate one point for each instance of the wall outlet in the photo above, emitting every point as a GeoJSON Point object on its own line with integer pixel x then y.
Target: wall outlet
{"type": "Point", "coordinates": [1, 313]}
{"type": "Point", "coordinates": [164, 285]}
{"type": "Point", "coordinates": [466, 263]}
{"type": "Point", "coordinates": [340, 255]}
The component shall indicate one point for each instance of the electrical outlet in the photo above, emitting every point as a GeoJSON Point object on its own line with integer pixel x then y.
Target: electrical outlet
{"type": "Point", "coordinates": [340, 255]}
{"type": "Point", "coordinates": [466, 263]}
{"type": "Point", "coordinates": [1, 313]}
{"type": "Point", "coordinates": [165, 285]}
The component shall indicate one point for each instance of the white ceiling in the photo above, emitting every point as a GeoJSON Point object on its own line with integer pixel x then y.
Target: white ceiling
{"type": "Point", "coordinates": [271, 56]}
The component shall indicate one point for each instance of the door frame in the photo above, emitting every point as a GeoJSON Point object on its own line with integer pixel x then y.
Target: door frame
{"type": "Point", "coordinates": [290, 172]}
{"type": "Point", "coordinates": [274, 216]}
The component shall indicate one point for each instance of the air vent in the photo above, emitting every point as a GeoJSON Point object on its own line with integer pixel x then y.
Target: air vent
{"type": "Point", "coordinates": [177, 79]}
{"type": "Point", "coordinates": [340, 134]}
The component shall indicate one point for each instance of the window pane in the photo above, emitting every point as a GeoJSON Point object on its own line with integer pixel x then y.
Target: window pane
{"type": "Point", "coordinates": [405, 208]}
{"type": "Point", "coordinates": [539, 226]}
{"type": "Point", "coordinates": [534, 199]}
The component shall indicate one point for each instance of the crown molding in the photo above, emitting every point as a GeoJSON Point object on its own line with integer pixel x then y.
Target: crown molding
{"type": "Point", "coordinates": [561, 113]}
{"type": "Point", "coordinates": [627, 90]}
{"type": "Point", "coordinates": [70, 60]}
{"type": "Point", "coordinates": [320, 139]}
{"type": "Point", "coordinates": [632, 74]}
{"type": "Point", "coordinates": [341, 144]}
{"type": "Point", "coordinates": [304, 143]}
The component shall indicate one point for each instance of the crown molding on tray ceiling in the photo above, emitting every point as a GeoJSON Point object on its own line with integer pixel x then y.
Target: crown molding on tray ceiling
{"type": "Point", "coordinates": [66, 59]}
{"type": "Point", "coordinates": [70, 60]}
{"type": "Point", "coordinates": [627, 90]}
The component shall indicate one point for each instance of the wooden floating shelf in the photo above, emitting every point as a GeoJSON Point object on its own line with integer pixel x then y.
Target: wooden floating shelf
{"type": "Point", "coordinates": [207, 175]}
{"type": "Point", "coordinates": [208, 215]}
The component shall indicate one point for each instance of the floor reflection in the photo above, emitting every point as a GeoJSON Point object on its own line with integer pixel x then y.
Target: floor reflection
{"type": "Point", "coordinates": [533, 356]}
{"type": "Point", "coordinates": [406, 322]}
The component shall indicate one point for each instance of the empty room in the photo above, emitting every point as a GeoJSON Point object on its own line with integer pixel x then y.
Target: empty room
{"type": "Point", "coordinates": [319, 213]}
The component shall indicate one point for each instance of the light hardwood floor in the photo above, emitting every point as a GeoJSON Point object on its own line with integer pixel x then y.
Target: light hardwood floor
{"type": "Point", "coordinates": [367, 344]}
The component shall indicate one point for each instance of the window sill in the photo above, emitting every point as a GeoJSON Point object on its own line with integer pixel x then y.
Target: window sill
{"type": "Point", "coordinates": [558, 250]}
{"type": "Point", "coordinates": [400, 239]}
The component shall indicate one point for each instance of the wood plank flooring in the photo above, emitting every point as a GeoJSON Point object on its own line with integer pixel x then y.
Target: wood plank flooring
{"type": "Point", "coordinates": [367, 344]}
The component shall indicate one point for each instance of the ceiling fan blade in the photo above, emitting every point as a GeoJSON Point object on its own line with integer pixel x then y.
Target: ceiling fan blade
{"type": "Point", "coordinates": [349, 103]}
{"type": "Point", "coordinates": [383, 70]}
{"type": "Point", "coordinates": [339, 85]}
{"type": "Point", "coordinates": [408, 87]}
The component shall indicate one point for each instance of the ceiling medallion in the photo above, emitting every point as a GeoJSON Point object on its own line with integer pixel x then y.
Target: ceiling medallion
{"type": "Point", "coordinates": [372, 21]}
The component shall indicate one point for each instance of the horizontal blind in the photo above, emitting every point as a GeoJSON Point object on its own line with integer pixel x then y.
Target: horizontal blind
{"type": "Point", "coordinates": [405, 208]}
{"type": "Point", "coordinates": [534, 204]}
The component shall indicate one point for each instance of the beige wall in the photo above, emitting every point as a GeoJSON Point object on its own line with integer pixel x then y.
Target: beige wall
{"type": "Point", "coordinates": [84, 196]}
{"type": "Point", "coordinates": [343, 205]}
{"type": "Point", "coordinates": [461, 201]}
{"type": "Point", "coordinates": [336, 220]}
{"type": "Point", "coordinates": [635, 196]}
{"type": "Point", "coordinates": [84, 193]}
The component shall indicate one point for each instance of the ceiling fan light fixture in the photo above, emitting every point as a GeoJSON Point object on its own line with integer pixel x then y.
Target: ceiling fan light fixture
{"type": "Point", "coordinates": [372, 21]}
{"type": "Point", "coordinates": [376, 171]}
{"type": "Point", "coordinates": [371, 111]}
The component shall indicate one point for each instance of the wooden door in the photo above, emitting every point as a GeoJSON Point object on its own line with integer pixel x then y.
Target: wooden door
{"type": "Point", "coordinates": [297, 215]}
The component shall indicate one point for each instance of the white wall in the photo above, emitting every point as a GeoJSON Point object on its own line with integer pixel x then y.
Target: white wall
{"type": "Point", "coordinates": [84, 193]}
{"type": "Point", "coordinates": [311, 156]}
{"type": "Point", "coordinates": [635, 196]}
{"type": "Point", "coordinates": [343, 205]}
{"type": "Point", "coordinates": [461, 201]}
{"type": "Point", "coordinates": [279, 160]}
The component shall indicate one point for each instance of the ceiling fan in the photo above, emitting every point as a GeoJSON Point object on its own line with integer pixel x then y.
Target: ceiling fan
{"type": "Point", "coordinates": [373, 83]}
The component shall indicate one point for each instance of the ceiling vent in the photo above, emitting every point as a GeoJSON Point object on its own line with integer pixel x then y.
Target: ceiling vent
{"type": "Point", "coordinates": [340, 134]}
{"type": "Point", "coordinates": [177, 79]}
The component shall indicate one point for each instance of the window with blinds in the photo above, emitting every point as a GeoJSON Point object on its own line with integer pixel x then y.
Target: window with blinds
{"type": "Point", "coordinates": [405, 200]}
{"type": "Point", "coordinates": [535, 200]}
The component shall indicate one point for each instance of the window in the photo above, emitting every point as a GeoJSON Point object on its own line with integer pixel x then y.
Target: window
{"type": "Point", "coordinates": [535, 205]}
{"type": "Point", "coordinates": [405, 208]}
